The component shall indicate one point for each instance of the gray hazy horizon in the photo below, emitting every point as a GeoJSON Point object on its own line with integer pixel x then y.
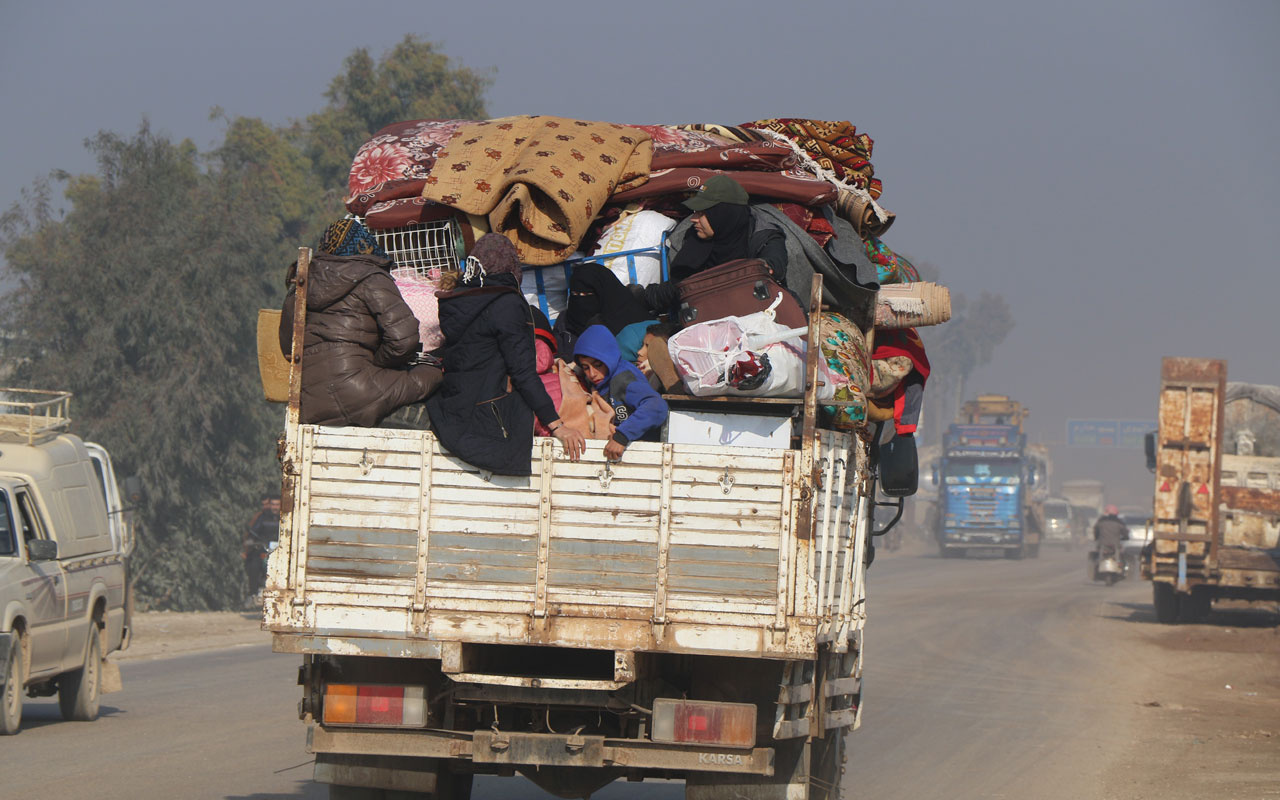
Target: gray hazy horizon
{"type": "Point", "coordinates": [1104, 166]}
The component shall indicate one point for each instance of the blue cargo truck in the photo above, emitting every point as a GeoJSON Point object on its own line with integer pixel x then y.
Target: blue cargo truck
{"type": "Point", "coordinates": [985, 478]}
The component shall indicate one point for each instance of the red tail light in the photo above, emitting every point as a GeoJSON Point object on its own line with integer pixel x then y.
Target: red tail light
{"type": "Point", "coordinates": [375, 705]}
{"type": "Point", "coordinates": [691, 722]}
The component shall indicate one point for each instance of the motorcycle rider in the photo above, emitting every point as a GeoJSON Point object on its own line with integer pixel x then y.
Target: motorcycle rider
{"type": "Point", "coordinates": [1109, 531]}
{"type": "Point", "coordinates": [263, 529]}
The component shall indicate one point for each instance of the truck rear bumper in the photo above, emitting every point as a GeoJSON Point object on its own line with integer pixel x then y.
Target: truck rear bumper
{"type": "Point", "coordinates": [976, 541]}
{"type": "Point", "coordinates": [499, 749]}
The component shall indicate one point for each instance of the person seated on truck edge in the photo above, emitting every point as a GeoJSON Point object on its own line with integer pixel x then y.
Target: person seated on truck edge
{"type": "Point", "coordinates": [723, 229]}
{"type": "Point", "coordinates": [360, 336]}
{"type": "Point", "coordinates": [597, 297]}
{"type": "Point", "coordinates": [639, 411]}
{"type": "Point", "coordinates": [1109, 531]}
{"type": "Point", "coordinates": [489, 348]}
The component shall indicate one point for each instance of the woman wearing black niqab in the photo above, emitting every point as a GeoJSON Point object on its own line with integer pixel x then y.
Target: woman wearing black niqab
{"type": "Point", "coordinates": [597, 297]}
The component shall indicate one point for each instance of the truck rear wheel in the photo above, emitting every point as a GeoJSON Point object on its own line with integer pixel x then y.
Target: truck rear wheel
{"type": "Point", "coordinates": [449, 786]}
{"type": "Point", "coordinates": [802, 771]}
{"type": "Point", "coordinates": [1165, 600]}
{"type": "Point", "coordinates": [1196, 606]}
{"type": "Point", "coordinates": [337, 792]}
{"type": "Point", "coordinates": [826, 766]}
{"type": "Point", "coordinates": [11, 691]}
{"type": "Point", "coordinates": [79, 692]}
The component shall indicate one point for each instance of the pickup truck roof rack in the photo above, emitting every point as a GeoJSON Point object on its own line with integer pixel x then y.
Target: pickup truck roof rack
{"type": "Point", "coordinates": [28, 416]}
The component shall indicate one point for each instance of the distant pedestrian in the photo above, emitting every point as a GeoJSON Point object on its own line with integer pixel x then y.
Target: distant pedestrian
{"type": "Point", "coordinates": [263, 529]}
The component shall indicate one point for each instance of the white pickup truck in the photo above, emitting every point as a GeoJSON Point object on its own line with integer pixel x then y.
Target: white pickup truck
{"type": "Point", "coordinates": [695, 611]}
{"type": "Point", "coordinates": [64, 544]}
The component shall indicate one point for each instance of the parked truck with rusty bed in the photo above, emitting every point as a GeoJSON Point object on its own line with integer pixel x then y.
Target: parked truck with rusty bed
{"type": "Point", "coordinates": [692, 612]}
{"type": "Point", "coordinates": [1216, 457]}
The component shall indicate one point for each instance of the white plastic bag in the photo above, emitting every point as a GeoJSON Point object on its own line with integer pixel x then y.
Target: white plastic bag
{"type": "Point", "coordinates": [704, 354]}
{"type": "Point", "coordinates": [637, 231]}
{"type": "Point", "coordinates": [547, 288]}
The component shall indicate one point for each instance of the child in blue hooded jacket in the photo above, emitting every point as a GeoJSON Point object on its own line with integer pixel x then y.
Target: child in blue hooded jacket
{"type": "Point", "coordinates": [638, 410]}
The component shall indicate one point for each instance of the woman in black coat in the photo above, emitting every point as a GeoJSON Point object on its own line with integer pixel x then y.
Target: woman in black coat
{"type": "Point", "coordinates": [483, 412]}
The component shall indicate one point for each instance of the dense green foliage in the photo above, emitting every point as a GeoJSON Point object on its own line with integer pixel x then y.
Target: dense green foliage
{"type": "Point", "coordinates": [413, 81]}
{"type": "Point", "coordinates": [141, 297]}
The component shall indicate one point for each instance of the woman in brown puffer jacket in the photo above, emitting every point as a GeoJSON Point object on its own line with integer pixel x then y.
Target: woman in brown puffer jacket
{"type": "Point", "coordinates": [360, 335]}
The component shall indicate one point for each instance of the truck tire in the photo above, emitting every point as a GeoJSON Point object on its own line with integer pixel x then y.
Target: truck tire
{"type": "Point", "coordinates": [337, 792]}
{"type": "Point", "coordinates": [803, 771]}
{"type": "Point", "coordinates": [11, 692]}
{"type": "Point", "coordinates": [80, 691]}
{"type": "Point", "coordinates": [450, 786]}
{"type": "Point", "coordinates": [454, 785]}
{"type": "Point", "coordinates": [1195, 607]}
{"type": "Point", "coordinates": [826, 765]}
{"type": "Point", "coordinates": [1165, 600]}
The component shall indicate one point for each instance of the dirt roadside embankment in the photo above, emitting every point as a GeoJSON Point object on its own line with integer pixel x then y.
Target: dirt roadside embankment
{"type": "Point", "coordinates": [1207, 721]}
{"type": "Point", "coordinates": [162, 634]}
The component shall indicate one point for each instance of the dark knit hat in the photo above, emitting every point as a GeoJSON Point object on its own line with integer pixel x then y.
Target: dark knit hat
{"type": "Point", "coordinates": [718, 189]}
{"type": "Point", "coordinates": [496, 255]}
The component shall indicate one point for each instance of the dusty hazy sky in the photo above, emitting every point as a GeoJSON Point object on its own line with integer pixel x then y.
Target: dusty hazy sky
{"type": "Point", "coordinates": [1107, 166]}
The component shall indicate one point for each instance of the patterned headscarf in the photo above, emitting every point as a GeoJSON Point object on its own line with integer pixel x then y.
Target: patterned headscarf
{"type": "Point", "coordinates": [348, 237]}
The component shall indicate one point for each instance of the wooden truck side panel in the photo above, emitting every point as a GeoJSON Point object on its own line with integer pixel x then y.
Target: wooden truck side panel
{"type": "Point", "coordinates": [679, 548]}
{"type": "Point", "coordinates": [1217, 517]}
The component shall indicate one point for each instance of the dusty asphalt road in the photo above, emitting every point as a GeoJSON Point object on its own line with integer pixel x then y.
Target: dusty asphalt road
{"type": "Point", "coordinates": [985, 679]}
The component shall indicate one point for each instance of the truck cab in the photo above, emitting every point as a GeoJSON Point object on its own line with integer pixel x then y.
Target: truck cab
{"type": "Point", "coordinates": [982, 501]}
{"type": "Point", "coordinates": [62, 568]}
{"type": "Point", "coordinates": [986, 474]}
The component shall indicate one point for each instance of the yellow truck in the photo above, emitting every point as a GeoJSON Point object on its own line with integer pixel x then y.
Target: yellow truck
{"type": "Point", "coordinates": [1216, 459]}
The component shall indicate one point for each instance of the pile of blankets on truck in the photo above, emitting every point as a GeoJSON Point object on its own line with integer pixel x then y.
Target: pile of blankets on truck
{"type": "Point", "coordinates": [560, 188]}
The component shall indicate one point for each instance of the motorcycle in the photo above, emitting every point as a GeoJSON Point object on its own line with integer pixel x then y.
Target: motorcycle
{"type": "Point", "coordinates": [1108, 567]}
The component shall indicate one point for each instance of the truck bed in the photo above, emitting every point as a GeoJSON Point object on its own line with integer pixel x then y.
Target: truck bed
{"type": "Point", "coordinates": [678, 548]}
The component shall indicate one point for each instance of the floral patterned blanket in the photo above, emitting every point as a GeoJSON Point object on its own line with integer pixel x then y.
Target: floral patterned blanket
{"type": "Point", "coordinates": [540, 179]}
{"type": "Point", "coordinates": [390, 171]}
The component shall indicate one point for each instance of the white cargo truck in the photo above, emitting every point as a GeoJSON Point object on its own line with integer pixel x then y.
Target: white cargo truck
{"type": "Point", "coordinates": [694, 611]}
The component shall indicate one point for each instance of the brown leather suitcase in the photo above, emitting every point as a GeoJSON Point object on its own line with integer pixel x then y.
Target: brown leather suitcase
{"type": "Point", "coordinates": [736, 288]}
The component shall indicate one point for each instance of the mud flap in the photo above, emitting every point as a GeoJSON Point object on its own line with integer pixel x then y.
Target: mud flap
{"type": "Point", "coordinates": [110, 672]}
{"type": "Point", "coordinates": [394, 773]}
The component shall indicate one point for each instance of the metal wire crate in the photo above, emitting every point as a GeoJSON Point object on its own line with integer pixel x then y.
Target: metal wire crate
{"type": "Point", "coordinates": [424, 248]}
{"type": "Point", "coordinates": [30, 415]}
